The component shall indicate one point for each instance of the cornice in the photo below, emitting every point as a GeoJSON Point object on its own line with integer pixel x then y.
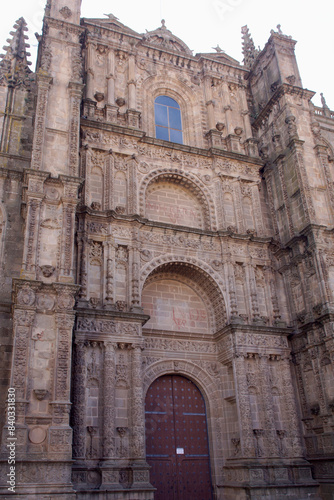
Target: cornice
{"type": "Point", "coordinates": [209, 153]}
{"type": "Point", "coordinates": [283, 89]}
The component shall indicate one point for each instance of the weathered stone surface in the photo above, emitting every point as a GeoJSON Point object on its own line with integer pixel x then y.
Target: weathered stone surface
{"type": "Point", "coordinates": [125, 257]}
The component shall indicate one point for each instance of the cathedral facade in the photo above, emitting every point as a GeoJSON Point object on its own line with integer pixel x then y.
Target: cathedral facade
{"type": "Point", "coordinates": [167, 268]}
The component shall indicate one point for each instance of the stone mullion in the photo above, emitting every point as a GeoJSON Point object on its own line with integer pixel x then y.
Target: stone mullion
{"type": "Point", "coordinates": [43, 84]}
{"type": "Point", "coordinates": [296, 147]}
{"type": "Point", "coordinates": [86, 175]}
{"type": "Point", "coordinates": [253, 293]}
{"type": "Point", "coordinates": [75, 101]}
{"type": "Point", "coordinates": [280, 168]}
{"type": "Point", "coordinates": [256, 205]}
{"type": "Point", "coordinates": [111, 78]}
{"type": "Point", "coordinates": [232, 290]}
{"type": "Point", "coordinates": [132, 197]}
{"type": "Point", "coordinates": [238, 208]}
{"type": "Point", "coordinates": [110, 170]}
{"type": "Point", "coordinates": [290, 410]}
{"type": "Point", "coordinates": [268, 417]}
{"type": "Point", "coordinates": [271, 285]}
{"type": "Point", "coordinates": [110, 274]}
{"type": "Point", "coordinates": [66, 267]}
{"type": "Point", "coordinates": [65, 324]}
{"type": "Point", "coordinates": [109, 378]}
{"type": "Point", "coordinates": [132, 82]}
{"type": "Point", "coordinates": [227, 108]}
{"type": "Point", "coordinates": [221, 219]}
{"type": "Point", "coordinates": [137, 408]}
{"type": "Point", "coordinates": [79, 401]}
{"type": "Point", "coordinates": [268, 178]}
{"type": "Point", "coordinates": [322, 153]}
{"type": "Point", "coordinates": [90, 73]}
{"type": "Point", "coordinates": [300, 383]}
{"type": "Point", "coordinates": [314, 352]}
{"type": "Point", "coordinates": [135, 275]}
{"type": "Point", "coordinates": [244, 408]}
{"type": "Point", "coordinates": [323, 272]}
{"type": "Point", "coordinates": [209, 103]}
{"type": "Point", "coordinates": [31, 236]}
{"type": "Point", "coordinates": [83, 267]}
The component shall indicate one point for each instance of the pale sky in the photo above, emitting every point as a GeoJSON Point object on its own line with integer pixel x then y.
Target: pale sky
{"type": "Point", "coordinates": [202, 24]}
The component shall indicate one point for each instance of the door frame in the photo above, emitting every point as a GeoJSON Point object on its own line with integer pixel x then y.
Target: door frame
{"type": "Point", "coordinates": [210, 392]}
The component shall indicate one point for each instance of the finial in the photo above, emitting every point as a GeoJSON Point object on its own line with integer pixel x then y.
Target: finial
{"type": "Point", "coordinates": [111, 16]}
{"type": "Point", "coordinates": [279, 29]}
{"type": "Point", "coordinates": [248, 48]}
{"type": "Point", "coordinates": [217, 49]}
{"type": "Point", "coordinates": [163, 23]}
{"type": "Point", "coordinates": [323, 101]}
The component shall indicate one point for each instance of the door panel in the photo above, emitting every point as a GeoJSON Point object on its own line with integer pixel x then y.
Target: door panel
{"type": "Point", "coordinates": [176, 440]}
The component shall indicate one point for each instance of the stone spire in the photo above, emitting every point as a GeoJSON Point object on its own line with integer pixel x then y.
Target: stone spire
{"type": "Point", "coordinates": [14, 67]}
{"type": "Point", "coordinates": [248, 48]}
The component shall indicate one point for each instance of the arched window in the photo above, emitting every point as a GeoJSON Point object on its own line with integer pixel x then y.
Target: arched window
{"type": "Point", "coordinates": [168, 124]}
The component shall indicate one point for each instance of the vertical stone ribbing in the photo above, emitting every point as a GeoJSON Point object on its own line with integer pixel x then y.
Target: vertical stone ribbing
{"type": "Point", "coordinates": [79, 401]}
{"type": "Point", "coordinates": [290, 410]}
{"type": "Point", "coordinates": [75, 100]}
{"type": "Point", "coordinates": [244, 409]}
{"type": "Point", "coordinates": [137, 407]}
{"type": "Point", "coordinates": [43, 82]}
{"type": "Point", "coordinates": [109, 376]}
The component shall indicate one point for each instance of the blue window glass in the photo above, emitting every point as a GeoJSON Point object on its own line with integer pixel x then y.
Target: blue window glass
{"type": "Point", "coordinates": [168, 123]}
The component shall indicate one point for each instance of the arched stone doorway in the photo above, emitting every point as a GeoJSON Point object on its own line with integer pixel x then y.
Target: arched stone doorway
{"type": "Point", "coordinates": [177, 446]}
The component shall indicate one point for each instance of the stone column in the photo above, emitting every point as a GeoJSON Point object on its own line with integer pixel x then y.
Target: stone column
{"type": "Point", "coordinates": [280, 168]}
{"type": "Point", "coordinates": [111, 108]}
{"type": "Point", "coordinates": [66, 266]}
{"type": "Point", "coordinates": [111, 78]}
{"type": "Point", "coordinates": [31, 237]}
{"type": "Point", "coordinates": [132, 82]}
{"type": "Point", "coordinates": [270, 436]}
{"type": "Point", "coordinates": [227, 109]}
{"type": "Point", "coordinates": [132, 114]}
{"type": "Point", "coordinates": [137, 407]}
{"type": "Point", "coordinates": [79, 401]}
{"type": "Point", "coordinates": [297, 150]}
{"type": "Point", "coordinates": [90, 73]}
{"type": "Point", "coordinates": [244, 409]}
{"type": "Point", "coordinates": [253, 293]}
{"type": "Point", "coordinates": [109, 377]}
{"type": "Point", "coordinates": [290, 411]}
{"type": "Point", "coordinates": [110, 274]}
{"type": "Point", "coordinates": [75, 101]}
{"type": "Point", "coordinates": [43, 84]}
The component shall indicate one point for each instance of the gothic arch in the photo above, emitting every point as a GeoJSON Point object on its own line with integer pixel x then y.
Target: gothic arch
{"type": "Point", "coordinates": [187, 180]}
{"type": "Point", "coordinates": [154, 86]}
{"type": "Point", "coordinates": [200, 273]}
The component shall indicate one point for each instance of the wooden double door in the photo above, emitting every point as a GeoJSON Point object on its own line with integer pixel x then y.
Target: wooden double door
{"type": "Point", "coordinates": [177, 440]}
